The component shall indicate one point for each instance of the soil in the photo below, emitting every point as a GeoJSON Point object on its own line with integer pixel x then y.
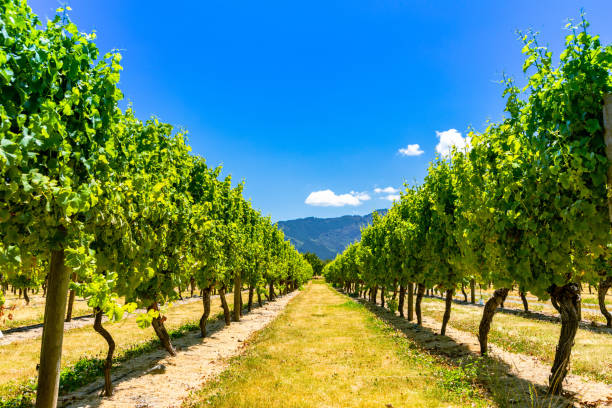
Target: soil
{"type": "Point", "coordinates": [157, 380]}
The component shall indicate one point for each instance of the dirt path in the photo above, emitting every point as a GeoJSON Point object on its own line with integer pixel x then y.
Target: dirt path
{"type": "Point", "coordinates": [158, 380]}
{"type": "Point", "coordinates": [35, 331]}
{"type": "Point", "coordinates": [521, 370]}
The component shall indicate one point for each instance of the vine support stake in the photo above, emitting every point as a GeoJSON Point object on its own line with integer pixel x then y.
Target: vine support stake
{"type": "Point", "coordinates": [53, 332]}
{"type": "Point", "coordinates": [607, 119]}
{"type": "Point", "coordinates": [606, 283]}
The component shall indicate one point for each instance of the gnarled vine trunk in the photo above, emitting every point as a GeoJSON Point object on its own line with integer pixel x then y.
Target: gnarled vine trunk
{"type": "Point", "coordinates": [250, 304]}
{"type": "Point", "coordinates": [524, 299]}
{"type": "Point", "coordinates": [465, 298]}
{"type": "Point", "coordinates": [472, 291]}
{"type": "Point", "coordinates": [271, 289]}
{"type": "Point", "coordinates": [400, 303]}
{"type": "Point", "coordinates": [419, 298]}
{"type": "Point", "coordinates": [382, 297]}
{"type": "Point", "coordinates": [602, 289]}
{"type": "Point", "coordinates": [241, 303]}
{"type": "Point", "coordinates": [70, 300]}
{"type": "Point", "coordinates": [108, 363]}
{"type": "Point", "coordinates": [410, 301]}
{"type": "Point", "coordinates": [566, 299]}
{"type": "Point", "coordinates": [447, 310]}
{"type": "Point", "coordinates": [259, 299]}
{"type": "Point", "coordinates": [226, 310]}
{"type": "Point", "coordinates": [237, 296]}
{"type": "Point", "coordinates": [160, 330]}
{"type": "Point", "coordinates": [487, 317]}
{"type": "Point", "coordinates": [206, 314]}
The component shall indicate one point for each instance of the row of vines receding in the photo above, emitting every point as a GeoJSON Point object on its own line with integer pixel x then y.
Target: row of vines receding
{"type": "Point", "coordinates": [525, 206]}
{"type": "Point", "coordinates": [102, 204]}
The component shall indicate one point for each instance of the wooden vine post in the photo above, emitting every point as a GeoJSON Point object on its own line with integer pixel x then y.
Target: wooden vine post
{"type": "Point", "coordinates": [53, 332]}
{"type": "Point", "coordinates": [606, 283]}
{"type": "Point", "coordinates": [607, 119]}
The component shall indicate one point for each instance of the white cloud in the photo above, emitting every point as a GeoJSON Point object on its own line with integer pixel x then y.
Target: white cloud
{"type": "Point", "coordinates": [362, 196]}
{"type": "Point", "coordinates": [411, 150]}
{"type": "Point", "coordinates": [449, 138]}
{"type": "Point", "coordinates": [388, 190]}
{"type": "Point", "coordinates": [327, 198]}
{"type": "Point", "coordinates": [392, 197]}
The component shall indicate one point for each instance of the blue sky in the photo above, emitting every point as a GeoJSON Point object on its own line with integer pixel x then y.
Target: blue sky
{"type": "Point", "coordinates": [299, 98]}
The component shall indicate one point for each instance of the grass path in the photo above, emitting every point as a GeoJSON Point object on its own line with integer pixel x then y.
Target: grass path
{"type": "Point", "coordinates": [327, 350]}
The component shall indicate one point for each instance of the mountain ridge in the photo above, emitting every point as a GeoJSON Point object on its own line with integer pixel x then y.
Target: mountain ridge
{"type": "Point", "coordinates": [326, 237]}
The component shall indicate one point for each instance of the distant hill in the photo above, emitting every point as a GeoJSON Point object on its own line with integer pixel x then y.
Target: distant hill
{"type": "Point", "coordinates": [326, 237]}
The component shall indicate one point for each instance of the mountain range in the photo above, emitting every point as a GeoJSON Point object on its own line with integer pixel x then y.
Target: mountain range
{"type": "Point", "coordinates": [326, 237]}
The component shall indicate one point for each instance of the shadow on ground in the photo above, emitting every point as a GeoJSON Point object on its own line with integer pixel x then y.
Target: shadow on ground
{"type": "Point", "coordinates": [585, 325]}
{"type": "Point", "coordinates": [144, 364]}
{"type": "Point", "coordinates": [505, 388]}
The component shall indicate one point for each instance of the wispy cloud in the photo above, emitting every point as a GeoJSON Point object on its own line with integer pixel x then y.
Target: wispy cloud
{"type": "Point", "coordinates": [411, 150]}
{"type": "Point", "coordinates": [450, 138]}
{"type": "Point", "coordinates": [388, 190]}
{"type": "Point", "coordinates": [392, 197]}
{"type": "Point", "coordinates": [327, 198]}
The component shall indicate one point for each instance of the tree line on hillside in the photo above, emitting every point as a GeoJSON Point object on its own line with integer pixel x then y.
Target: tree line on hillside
{"type": "Point", "coordinates": [316, 263]}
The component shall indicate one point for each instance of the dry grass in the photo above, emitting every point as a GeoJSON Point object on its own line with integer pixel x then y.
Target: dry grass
{"type": "Point", "coordinates": [329, 351]}
{"type": "Point", "coordinates": [533, 337]}
{"type": "Point", "coordinates": [23, 315]}
{"type": "Point", "coordinates": [589, 297]}
{"type": "Point", "coordinates": [589, 301]}
{"type": "Point", "coordinates": [18, 360]}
